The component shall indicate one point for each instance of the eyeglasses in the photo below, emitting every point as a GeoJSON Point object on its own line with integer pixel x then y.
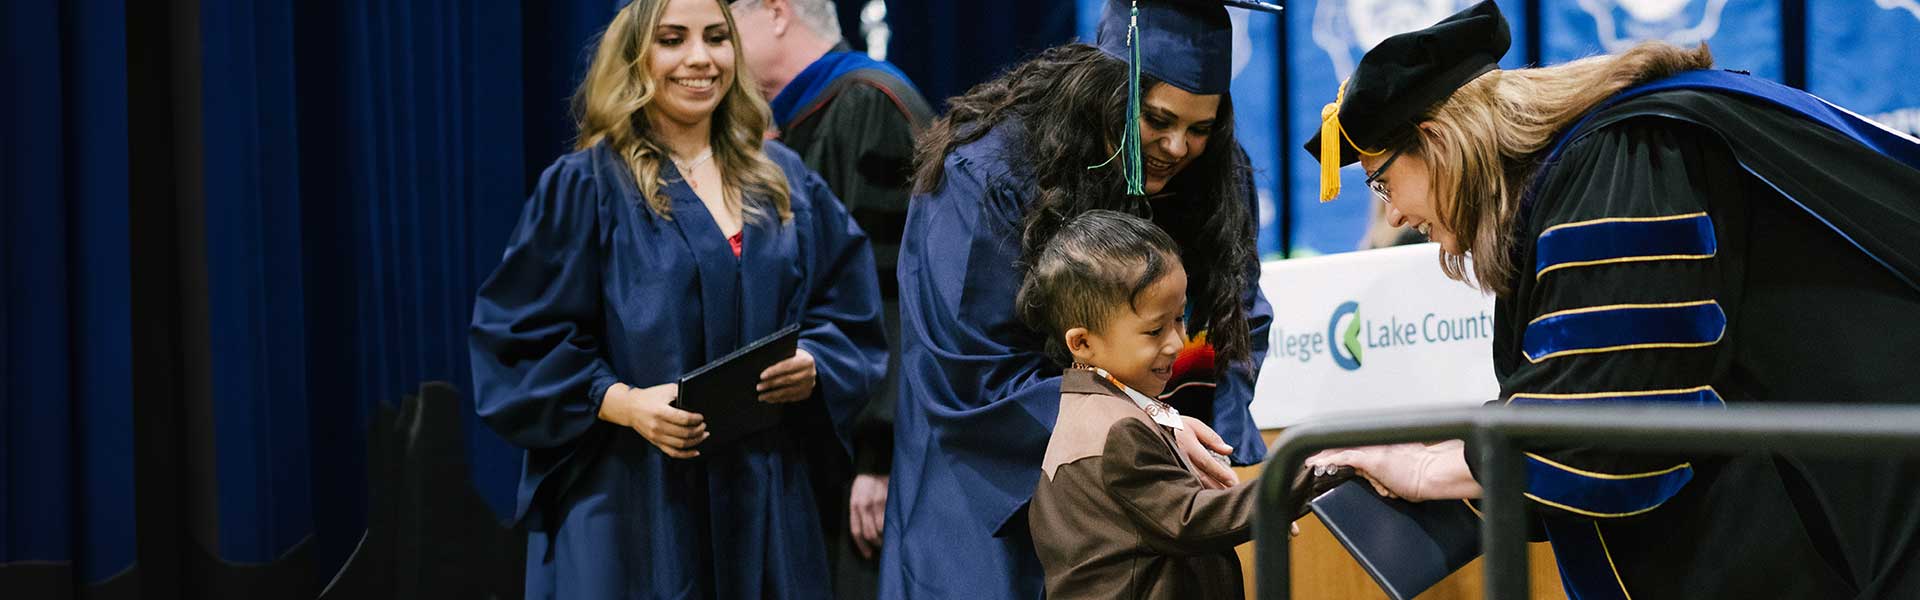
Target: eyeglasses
{"type": "Point", "coordinates": [1373, 179]}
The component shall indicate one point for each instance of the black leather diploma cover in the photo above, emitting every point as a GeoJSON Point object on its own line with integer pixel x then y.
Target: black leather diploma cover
{"type": "Point", "coordinates": [723, 392]}
{"type": "Point", "coordinates": [1406, 546]}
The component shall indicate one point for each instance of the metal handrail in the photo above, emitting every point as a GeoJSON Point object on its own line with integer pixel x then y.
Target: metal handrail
{"type": "Point", "coordinates": [1500, 434]}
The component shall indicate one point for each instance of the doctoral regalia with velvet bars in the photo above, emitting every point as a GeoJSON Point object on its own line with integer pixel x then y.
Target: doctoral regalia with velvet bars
{"type": "Point", "coordinates": [1705, 239]}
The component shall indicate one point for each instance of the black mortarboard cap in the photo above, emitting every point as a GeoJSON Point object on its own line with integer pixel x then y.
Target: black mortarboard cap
{"type": "Point", "coordinates": [1186, 43]}
{"type": "Point", "coordinates": [1399, 80]}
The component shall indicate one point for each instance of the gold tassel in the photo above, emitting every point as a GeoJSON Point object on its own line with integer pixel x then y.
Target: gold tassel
{"type": "Point", "coordinates": [1330, 151]}
{"type": "Point", "coordinates": [1331, 135]}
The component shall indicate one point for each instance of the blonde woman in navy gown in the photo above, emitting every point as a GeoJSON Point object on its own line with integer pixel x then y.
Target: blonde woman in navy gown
{"type": "Point", "coordinates": [673, 236]}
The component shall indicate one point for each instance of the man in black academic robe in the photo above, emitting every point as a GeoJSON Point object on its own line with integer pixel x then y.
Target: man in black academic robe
{"type": "Point", "coordinates": [853, 120]}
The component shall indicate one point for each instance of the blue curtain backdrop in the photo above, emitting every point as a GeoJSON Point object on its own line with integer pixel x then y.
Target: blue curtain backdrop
{"type": "Point", "coordinates": [364, 163]}
{"type": "Point", "coordinates": [66, 460]}
{"type": "Point", "coordinates": [358, 166]}
{"type": "Point", "coordinates": [947, 46]}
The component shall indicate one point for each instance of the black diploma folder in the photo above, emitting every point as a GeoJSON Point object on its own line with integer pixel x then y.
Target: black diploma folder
{"type": "Point", "coordinates": [1406, 546]}
{"type": "Point", "coordinates": [722, 391]}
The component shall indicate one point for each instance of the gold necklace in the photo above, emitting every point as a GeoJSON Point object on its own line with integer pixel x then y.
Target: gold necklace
{"type": "Point", "coordinates": [686, 169]}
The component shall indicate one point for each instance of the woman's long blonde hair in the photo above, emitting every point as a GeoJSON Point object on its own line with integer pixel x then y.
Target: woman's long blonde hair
{"type": "Point", "coordinates": [610, 107]}
{"type": "Point", "coordinates": [1482, 147]}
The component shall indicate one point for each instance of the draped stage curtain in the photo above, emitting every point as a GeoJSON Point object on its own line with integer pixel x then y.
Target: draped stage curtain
{"type": "Point", "coordinates": [237, 235]}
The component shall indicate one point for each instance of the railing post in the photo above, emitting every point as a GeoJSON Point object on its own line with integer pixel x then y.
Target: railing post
{"type": "Point", "coordinates": [1273, 577]}
{"type": "Point", "coordinates": [1283, 582]}
{"type": "Point", "coordinates": [1503, 537]}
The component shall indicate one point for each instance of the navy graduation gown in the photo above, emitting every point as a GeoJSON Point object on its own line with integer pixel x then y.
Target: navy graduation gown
{"type": "Point", "coordinates": [596, 288]}
{"type": "Point", "coordinates": [978, 396]}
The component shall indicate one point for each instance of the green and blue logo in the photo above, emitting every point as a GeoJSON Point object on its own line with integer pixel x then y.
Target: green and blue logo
{"type": "Point", "coordinates": [1345, 352]}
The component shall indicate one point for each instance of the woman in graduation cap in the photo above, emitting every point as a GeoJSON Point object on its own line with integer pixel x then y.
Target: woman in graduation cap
{"type": "Point", "coordinates": [1013, 159]}
{"type": "Point", "coordinates": [1658, 233]}
{"type": "Point", "coordinates": [672, 237]}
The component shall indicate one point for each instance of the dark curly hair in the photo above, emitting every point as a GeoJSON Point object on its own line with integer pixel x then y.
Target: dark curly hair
{"type": "Point", "coordinates": [1071, 103]}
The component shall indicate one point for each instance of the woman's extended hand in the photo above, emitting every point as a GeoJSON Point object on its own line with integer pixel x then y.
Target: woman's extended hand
{"type": "Point", "coordinates": [650, 413]}
{"type": "Point", "coordinates": [1415, 472]}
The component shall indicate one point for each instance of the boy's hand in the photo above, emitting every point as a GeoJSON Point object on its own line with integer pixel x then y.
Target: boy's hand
{"type": "Point", "coordinates": [1199, 443]}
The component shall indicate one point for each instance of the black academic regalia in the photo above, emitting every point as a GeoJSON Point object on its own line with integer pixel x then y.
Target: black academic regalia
{"type": "Point", "coordinates": [596, 288]}
{"type": "Point", "coordinates": [857, 131]}
{"type": "Point", "coordinates": [1696, 248]}
{"type": "Point", "coordinates": [978, 395]}
{"type": "Point", "coordinates": [853, 121]}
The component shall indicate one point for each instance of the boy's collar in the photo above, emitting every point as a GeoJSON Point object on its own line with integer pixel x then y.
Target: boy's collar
{"type": "Point", "coordinates": [1081, 379]}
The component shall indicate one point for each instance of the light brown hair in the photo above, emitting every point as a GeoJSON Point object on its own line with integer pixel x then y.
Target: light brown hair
{"type": "Point", "coordinates": [1482, 145]}
{"type": "Point", "coordinates": [610, 107]}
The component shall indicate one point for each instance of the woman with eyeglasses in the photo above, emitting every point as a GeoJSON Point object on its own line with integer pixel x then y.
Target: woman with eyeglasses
{"type": "Point", "coordinates": [1658, 233]}
{"type": "Point", "coordinates": [671, 238]}
{"type": "Point", "coordinates": [1381, 233]}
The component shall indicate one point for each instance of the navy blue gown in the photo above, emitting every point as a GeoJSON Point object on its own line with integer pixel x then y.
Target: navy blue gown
{"type": "Point", "coordinates": [978, 396]}
{"type": "Point", "coordinates": [596, 288]}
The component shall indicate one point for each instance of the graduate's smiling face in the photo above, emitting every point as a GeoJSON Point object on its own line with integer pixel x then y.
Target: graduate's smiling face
{"type": "Point", "coordinates": [691, 61]}
{"type": "Point", "coordinates": [1139, 342]}
{"type": "Point", "coordinates": [1409, 198]}
{"type": "Point", "coordinates": [1174, 127]}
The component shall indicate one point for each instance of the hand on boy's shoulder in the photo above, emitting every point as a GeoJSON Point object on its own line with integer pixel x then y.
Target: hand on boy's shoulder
{"type": "Point", "coordinates": [1208, 453]}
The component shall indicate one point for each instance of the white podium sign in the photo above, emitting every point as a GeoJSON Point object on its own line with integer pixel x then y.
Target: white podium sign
{"type": "Point", "coordinates": [1373, 331]}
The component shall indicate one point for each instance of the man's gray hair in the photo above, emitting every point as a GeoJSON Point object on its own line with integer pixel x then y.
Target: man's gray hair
{"type": "Point", "coordinates": [820, 16]}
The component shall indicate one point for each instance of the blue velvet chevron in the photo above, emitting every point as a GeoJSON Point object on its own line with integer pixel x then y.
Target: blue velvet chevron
{"type": "Point", "coordinates": [1601, 494]}
{"type": "Point", "coordinates": [1623, 327]}
{"type": "Point", "coordinates": [1605, 241]}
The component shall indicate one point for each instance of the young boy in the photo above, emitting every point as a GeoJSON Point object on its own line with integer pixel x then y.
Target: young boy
{"type": "Point", "coordinates": [1119, 513]}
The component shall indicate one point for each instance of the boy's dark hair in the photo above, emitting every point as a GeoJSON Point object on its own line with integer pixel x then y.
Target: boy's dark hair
{"type": "Point", "coordinates": [1094, 264]}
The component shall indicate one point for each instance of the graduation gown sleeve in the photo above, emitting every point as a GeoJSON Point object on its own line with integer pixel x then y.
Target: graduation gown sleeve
{"type": "Point", "coordinates": [842, 323]}
{"type": "Point", "coordinates": [861, 143]}
{"type": "Point", "coordinates": [1620, 302]}
{"type": "Point", "coordinates": [1234, 393]}
{"type": "Point", "coordinates": [987, 394]}
{"type": "Point", "coordinates": [538, 369]}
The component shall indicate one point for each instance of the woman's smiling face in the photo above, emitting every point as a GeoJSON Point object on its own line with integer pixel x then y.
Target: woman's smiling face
{"type": "Point", "coordinates": [691, 61]}
{"type": "Point", "coordinates": [1174, 127]}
